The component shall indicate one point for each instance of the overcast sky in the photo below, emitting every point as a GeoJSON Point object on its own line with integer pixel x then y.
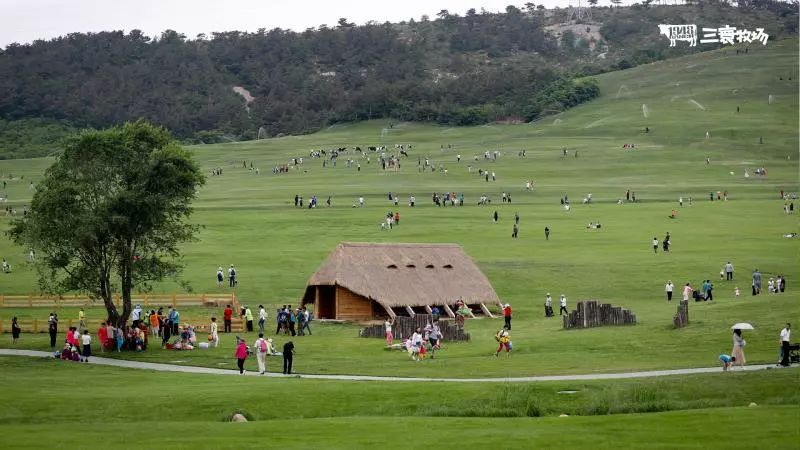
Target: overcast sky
{"type": "Point", "coordinates": [27, 20]}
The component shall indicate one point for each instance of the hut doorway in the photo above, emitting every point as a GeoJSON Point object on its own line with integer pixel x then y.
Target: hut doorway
{"type": "Point", "coordinates": [327, 302]}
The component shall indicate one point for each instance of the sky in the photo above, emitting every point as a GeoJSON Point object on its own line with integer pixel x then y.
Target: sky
{"type": "Point", "coordinates": [24, 21]}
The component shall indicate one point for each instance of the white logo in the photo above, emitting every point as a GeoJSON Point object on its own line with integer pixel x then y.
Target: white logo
{"type": "Point", "coordinates": [686, 33]}
{"type": "Point", "coordinates": [722, 35]}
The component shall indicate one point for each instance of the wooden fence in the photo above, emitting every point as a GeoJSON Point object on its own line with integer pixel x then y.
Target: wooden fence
{"type": "Point", "coordinates": [202, 324]}
{"type": "Point", "coordinates": [32, 301]}
{"type": "Point", "coordinates": [590, 314]}
{"type": "Point", "coordinates": [681, 318]}
{"type": "Point", "coordinates": [404, 327]}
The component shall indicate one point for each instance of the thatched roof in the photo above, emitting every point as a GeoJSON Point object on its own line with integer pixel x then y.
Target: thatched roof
{"type": "Point", "coordinates": [405, 274]}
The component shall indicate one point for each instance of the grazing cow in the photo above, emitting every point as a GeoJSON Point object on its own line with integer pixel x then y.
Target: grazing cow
{"type": "Point", "coordinates": [685, 33]}
{"type": "Point", "coordinates": [372, 148]}
{"type": "Point", "coordinates": [404, 153]}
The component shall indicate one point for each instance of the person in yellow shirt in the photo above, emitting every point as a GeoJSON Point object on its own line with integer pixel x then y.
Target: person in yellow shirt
{"type": "Point", "coordinates": [81, 319]}
{"type": "Point", "coordinates": [504, 339]}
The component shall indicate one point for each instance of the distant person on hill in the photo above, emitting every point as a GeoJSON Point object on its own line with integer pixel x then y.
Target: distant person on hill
{"type": "Point", "coordinates": [232, 276]}
{"type": "Point", "coordinates": [52, 328]}
{"type": "Point", "coordinates": [728, 271]}
{"type": "Point", "coordinates": [548, 306]}
{"type": "Point", "coordinates": [655, 245]}
{"type": "Point", "coordinates": [668, 288]}
{"type": "Point", "coordinates": [515, 231]}
{"type": "Point", "coordinates": [387, 326]}
{"type": "Point", "coordinates": [262, 317]}
{"type": "Point", "coordinates": [738, 347]}
{"type": "Point", "coordinates": [261, 353]}
{"type": "Point", "coordinates": [220, 277]}
{"type": "Point", "coordinates": [756, 282]}
{"type": "Point", "coordinates": [547, 233]}
{"type": "Point", "coordinates": [495, 217]}
{"type": "Point", "coordinates": [248, 316]}
{"type": "Point", "coordinates": [666, 242]}
{"type": "Point", "coordinates": [86, 340]}
{"type": "Point", "coordinates": [563, 308]}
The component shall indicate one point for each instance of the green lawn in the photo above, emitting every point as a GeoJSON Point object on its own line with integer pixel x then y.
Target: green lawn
{"type": "Point", "coordinates": [76, 405]}
{"type": "Point", "coordinates": [248, 221]}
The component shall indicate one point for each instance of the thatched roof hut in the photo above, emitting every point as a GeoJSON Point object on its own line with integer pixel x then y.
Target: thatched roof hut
{"type": "Point", "coordinates": [361, 281]}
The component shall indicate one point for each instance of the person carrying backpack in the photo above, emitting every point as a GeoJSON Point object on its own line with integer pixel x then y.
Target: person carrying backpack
{"type": "Point", "coordinates": [261, 354]}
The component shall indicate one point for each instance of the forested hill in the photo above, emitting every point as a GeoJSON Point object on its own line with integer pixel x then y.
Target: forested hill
{"type": "Point", "coordinates": [459, 69]}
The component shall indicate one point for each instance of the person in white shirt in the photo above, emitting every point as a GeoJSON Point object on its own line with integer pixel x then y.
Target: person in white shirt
{"type": "Point", "coordinates": [262, 317]}
{"type": "Point", "coordinates": [387, 326]}
{"type": "Point", "coordinates": [548, 306]}
{"type": "Point", "coordinates": [786, 336]}
{"type": "Point", "coordinates": [261, 353]}
{"type": "Point", "coordinates": [669, 288]}
{"type": "Point", "coordinates": [136, 315]}
{"type": "Point", "coordinates": [563, 303]}
{"type": "Point", "coordinates": [729, 271]}
{"type": "Point", "coordinates": [214, 329]}
{"type": "Point", "coordinates": [416, 344]}
{"type": "Point", "coordinates": [655, 245]}
{"type": "Point", "coordinates": [86, 340]}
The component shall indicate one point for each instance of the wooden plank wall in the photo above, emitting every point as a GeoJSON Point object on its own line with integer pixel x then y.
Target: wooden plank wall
{"type": "Point", "coordinates": [404, 327]}
{"type": "Point", "coordinates": [590, 314]}
{"type": "Point", "coordinates": [350, 306]}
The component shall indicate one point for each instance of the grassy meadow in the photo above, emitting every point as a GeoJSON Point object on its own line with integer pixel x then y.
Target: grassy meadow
{"type": "Point", "coordinates": [248, 220]}
{"type": "Point", "coordinates": [77, 404]}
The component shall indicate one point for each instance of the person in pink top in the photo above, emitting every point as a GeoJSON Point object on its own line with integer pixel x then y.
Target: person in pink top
{"type": "Point", "coordinates": [241, 355]}
{"type": "Point", "coordinates": [687, 291]}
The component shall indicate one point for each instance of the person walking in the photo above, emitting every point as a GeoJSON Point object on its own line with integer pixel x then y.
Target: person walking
{"type": "Point", "coordinates": [52, 328]}
{"type": "Point", "coordinates": [262, 318]}
{"type": "Point", "coordinates": [667, 242]}
{"type": "Point", "coordinates": [226, 317]}
{"type": "Point", "coordinates": [288, 357]}
{"type": "Point", "coordinates": [248, 317]}
{"type": "Point", "coordinates": [709, 290]}
{"type": "Point", "coordinates": [214, 332]}
{"type": "Point", "coordinates": [728, 271]}
{"type": "Point", "coordinates": [307, 319]}
{"type": "Point", "coordinates": [15, 330]}
{"type": "Point", "coordinates": [504, 339]}
{"type": "Point", "coordinates": [738, 347]}
{"type": "Point", "coordinates": [655, 245]}
{"type": "Point", "coordinates": [546, 233]}
{"type": "Point", "coordinates": [495, 217]}
{"type": "Point", "coordinates": [507, 316]}
{"type": "Point", "coordinates": [261, 354]}
{"type": "Point", "coordinates": [232, 276]}
{"type": "Point", "coordinates": [241, 355]}
{"type": "Point", "coordinates": [756, 282]}
{"type": "Point", "coordinates": [81, 319]}
{"type": "Point", "coordinates": [668, 288]}
{"type": "Point", "coordinates": [786, 335]}
{"type": "Point", "coordinates": [563, 309]}
{"type": "Point", "coordinates": [220, 277]}
{"type": "Point", "coordinates": [515, 231]}
{"type": "Point", "coordinates": [387, 326]}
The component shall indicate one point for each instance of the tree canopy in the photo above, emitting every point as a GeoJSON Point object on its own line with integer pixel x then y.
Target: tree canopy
{"type": "Point", "coordinates": [110, 214]}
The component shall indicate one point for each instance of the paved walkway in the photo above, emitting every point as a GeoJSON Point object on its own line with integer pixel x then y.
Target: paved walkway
{"type": "Point", "coordinates": [207, 370]}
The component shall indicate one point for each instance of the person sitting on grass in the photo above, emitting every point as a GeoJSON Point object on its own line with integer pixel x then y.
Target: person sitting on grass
{"type": "Point", "coordinates": [727, 361]}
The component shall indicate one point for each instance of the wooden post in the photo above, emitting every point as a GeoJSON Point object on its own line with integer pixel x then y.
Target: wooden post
{"type": "Point", "coordinates": [428, 309]}
{"type": "Point", "coordinates": [410, 311]}
{"type": "Point", "coordinates": [2, 299]}
{"type": "Point", "coordinates": [389, 311]}
{"type": "Point", "coordinates": [35, 325]}
{"type": "Point", "coordinates": [449, 311]}
{"type": "Point", "coordinates": [486, 311]}
{"type": "Point", "coordinates": [173, 301]}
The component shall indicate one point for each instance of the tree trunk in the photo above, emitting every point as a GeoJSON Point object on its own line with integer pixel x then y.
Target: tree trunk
{"type": "Point", "coordinates": [108, 300]}
{"type": "Point", "coordinates": [127, 286]}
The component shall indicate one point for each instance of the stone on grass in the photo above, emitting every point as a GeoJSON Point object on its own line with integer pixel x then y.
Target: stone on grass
{"type": "Point", "coordinates": [752, 404]}
{"type": "Point", "coordinates": [564, 415]}
{"type": "Point", "coordinates": [238, 418]}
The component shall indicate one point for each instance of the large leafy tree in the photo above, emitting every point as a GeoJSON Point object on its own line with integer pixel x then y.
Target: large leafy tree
{"type": "Point", "coordinates": [111, 213]}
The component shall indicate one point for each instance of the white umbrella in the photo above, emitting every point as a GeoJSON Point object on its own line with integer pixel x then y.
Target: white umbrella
{"type": "Point", "coordinates": [742, 326]}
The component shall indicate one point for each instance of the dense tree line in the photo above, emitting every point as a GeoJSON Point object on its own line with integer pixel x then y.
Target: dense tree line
{"type": "Point", "coordinates": [452, 69]}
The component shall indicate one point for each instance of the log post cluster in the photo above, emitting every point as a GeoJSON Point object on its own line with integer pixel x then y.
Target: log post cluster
{"type": "Point", "coordinates": [591, 314]}
{"type": "Point", "coordinates": [681, 318]}
{"type": "Point", "coordinates": [404, 327]}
